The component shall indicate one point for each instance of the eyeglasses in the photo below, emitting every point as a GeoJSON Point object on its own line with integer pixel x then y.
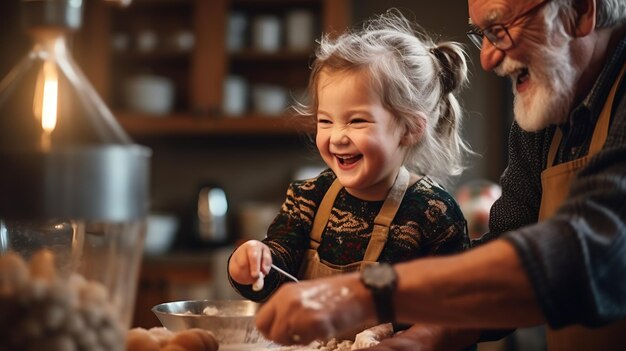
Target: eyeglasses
{"type": "Point", "coordinates": [498, 34]}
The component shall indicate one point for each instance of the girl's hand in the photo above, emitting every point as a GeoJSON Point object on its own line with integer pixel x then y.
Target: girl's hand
{"type": "Point", "coordinates": [250, 261]}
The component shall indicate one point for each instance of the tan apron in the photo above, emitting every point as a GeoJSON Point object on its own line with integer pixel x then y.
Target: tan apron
{"type": "Point", "coordinates": [314, 267]}
{"type": "Point", "coordinates": [555, 182]}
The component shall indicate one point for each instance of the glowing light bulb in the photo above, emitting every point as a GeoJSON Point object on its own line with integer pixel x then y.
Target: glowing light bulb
{"type": "Point", "coordinates": [50, 96]}
{"type": "Point", "coordinates": [46, 100]}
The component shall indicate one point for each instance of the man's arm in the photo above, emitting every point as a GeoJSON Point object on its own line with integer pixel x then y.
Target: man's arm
{"type": "Point", "coordinates": [483, 288]}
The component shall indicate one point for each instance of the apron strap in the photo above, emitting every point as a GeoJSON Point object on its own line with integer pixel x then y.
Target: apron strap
{"type": "Point", "coordinates": [602, 127]}
{"type": "Point", "coordinates": [382, 222]}
{"type": "Point", "coordinates": [554, 147]}
{"type": "Point", "coordinates": [600, 132]}
{"type": "Point", "coordinates": [323, 213]}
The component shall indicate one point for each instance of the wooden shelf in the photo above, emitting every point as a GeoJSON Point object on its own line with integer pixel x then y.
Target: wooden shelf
{"type": "Point", "coordinates": [153, 56]}
{"type": "Point", "coordinates": [198, 74]}
{"type": "Point", "coordinates": [252, 3]}
{"type": "Point", "coordinates": [160, 2]}
{"type": "Point", "coordinates": [176, 125]}
{"type": "Point", "coordinates": [282, 55]}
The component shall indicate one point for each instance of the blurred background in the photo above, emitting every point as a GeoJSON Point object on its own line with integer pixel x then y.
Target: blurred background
{"type": "Point", "coordinates": [206, 85]}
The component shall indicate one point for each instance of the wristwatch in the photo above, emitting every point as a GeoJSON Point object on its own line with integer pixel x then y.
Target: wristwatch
{"type": "Point", "coordinates": [381, 279]}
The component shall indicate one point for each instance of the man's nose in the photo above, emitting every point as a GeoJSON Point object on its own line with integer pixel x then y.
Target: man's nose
{"type": "Point", "coordinates": [490, 56]}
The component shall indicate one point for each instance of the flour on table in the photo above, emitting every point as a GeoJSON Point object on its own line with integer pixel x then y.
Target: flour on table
{"type": "Point", "coordinates": [210, 311]}
{"type": "Point", "coordinates": [331, 345]}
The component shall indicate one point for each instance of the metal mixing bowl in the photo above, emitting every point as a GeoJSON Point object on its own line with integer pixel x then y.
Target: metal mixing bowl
{"type": "Point", "coordinates": [231, 321]}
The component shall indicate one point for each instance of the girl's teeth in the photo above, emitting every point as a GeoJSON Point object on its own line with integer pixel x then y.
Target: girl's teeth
{"type": "Point", "coordinates": [346, 160]}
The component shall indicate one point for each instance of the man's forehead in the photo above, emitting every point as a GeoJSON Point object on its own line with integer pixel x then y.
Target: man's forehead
{"type": "Point", "coordinates": [487, 12]}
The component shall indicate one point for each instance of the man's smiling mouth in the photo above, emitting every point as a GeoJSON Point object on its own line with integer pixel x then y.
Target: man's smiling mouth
{"type": "Point", "coordinates": [522, 77]}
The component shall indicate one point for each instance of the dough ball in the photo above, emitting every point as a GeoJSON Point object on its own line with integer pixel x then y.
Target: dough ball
{"type": "Point", "coordinates": [42, 265]}
{"type": "Point", "coordinates": [196, 339]}
{"type": "Point", "coordinates": [93, 293]}
{"type": "Point", "coordinates": [372, 336]}
{"type": "Point", "coordinates": [14, 273]}
{"type": "Point", "coordinates": [53, 343]}
{"type": "Point", "coordinates": [139, 339]}
{"type": "Point", "coordinates": [258, 283]}
{"type": "Point", "coordinates": [173, 347]}
{"type": "Point", "coordinates": [161, 334]}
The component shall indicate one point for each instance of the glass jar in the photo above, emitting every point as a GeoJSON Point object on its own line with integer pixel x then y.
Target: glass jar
{"type": "Point", "coordinates": [68, 282]}
{"type": "Point", "coordinates": [73, 199]}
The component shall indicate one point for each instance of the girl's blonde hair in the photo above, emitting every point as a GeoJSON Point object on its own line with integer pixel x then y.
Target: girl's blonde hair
{"type": "Point", "coordinates": [416, 79]}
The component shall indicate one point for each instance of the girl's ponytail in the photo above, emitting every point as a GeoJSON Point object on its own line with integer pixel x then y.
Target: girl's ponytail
{"type": "Point", "coordinates": [450, 59]}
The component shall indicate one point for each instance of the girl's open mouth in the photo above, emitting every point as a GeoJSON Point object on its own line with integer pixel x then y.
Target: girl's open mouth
{"type": "Point", "coordinates": [348, 159]}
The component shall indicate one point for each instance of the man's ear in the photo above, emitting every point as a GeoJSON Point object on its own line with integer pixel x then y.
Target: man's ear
{"type": "Point", "coordinates": [585, 17]}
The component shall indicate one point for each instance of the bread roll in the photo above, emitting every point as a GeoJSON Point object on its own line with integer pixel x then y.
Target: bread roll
{"type": "Point", "coordinates": [173, 347]}
{"type": "Point", "coordinates": [161, 335]}
{"type": "Point", "coordinates": [139, 339]}
{"type": "Point", "coordinates": [195, 340]}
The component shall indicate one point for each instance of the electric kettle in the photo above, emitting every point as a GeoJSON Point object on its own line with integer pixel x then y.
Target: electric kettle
{"type": "Point", "coordinates": [210, 221]}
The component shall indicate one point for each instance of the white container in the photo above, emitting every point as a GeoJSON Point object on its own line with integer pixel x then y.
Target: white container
{"type": "Point", "coordinates": [160, 233]}
{"type": "Point", "coordinates": [149, 94]}
{"type": "Point", "coordinates": [266, 33]}
{"type": "Point", "coordinates": [299, 29]}
{"type": "Point", "coordinates": [182, 40]}
{"type": "Point", "coordinates": [120, 42]}
{"type": "Point", "coordinates": [269, 99]}
{"type": "Point", "coordinates": [256, 217]}
{"type": "Point", "coordinates": [146, 40]}
{"type": "Point", "coordinates": [236, 31]}
{"type": "Point", "coordinates": [235, 96]}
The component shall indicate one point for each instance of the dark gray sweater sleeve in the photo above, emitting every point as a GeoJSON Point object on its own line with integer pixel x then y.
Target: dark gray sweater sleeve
{"type": "Point", "coordinates": [576, 260]}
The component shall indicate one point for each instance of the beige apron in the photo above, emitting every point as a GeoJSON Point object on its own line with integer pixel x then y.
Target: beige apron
{"type": "Point", "coordinates": [555, 182]}
{"type": "Point", "coordinates": [314, 267]}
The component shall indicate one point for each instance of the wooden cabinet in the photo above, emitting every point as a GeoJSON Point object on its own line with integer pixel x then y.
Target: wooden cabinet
{"type": "Point", "coordinates": [110, 49]}
{"type": "Point", "coordinates": [170, 278]}
{"type": "Point", "coordinates": [114, 44]}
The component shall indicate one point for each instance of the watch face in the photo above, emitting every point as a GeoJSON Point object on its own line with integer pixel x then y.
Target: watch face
{"type": "Point", "coordinates": [379, 276]}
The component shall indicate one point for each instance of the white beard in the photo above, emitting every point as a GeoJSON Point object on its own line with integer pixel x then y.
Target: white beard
{"type": "Point", "coordinates": [550, 96]}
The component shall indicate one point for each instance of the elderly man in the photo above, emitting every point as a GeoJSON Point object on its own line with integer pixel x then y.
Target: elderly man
{"type": "Point", "coordinates": [556, 250]}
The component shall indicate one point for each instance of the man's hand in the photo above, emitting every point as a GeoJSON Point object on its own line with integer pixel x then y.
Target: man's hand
{"type": "Point", "coordinates": [421, 337]}
{"type": "Point", "coordinates": [315, 310]}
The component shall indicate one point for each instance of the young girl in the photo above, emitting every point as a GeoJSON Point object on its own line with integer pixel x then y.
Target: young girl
{"type": "Point", "coordinates": [388, 129]}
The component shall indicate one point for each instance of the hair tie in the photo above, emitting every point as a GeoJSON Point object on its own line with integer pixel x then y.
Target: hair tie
{"type": "Point", "coordinates": [445, 74]}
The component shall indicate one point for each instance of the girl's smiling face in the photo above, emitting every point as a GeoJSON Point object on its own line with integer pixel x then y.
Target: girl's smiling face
{"type": "Point", "coordinates": [357, 137]}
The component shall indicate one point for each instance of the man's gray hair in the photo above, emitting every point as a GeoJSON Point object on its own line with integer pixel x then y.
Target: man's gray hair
{"type": "Point", "coordinates": [610, 13]}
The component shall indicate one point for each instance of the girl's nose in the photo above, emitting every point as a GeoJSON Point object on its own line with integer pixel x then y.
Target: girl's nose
{"type": "Point", "coordinates": [339, 136]}
{"type": "Point", "coordinates": [490, 56]}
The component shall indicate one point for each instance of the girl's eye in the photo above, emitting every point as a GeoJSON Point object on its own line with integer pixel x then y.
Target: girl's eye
{"type": "Point", "coordinates": [357, 121]}
{"type": "Point", "coordinates": [323, 121]}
